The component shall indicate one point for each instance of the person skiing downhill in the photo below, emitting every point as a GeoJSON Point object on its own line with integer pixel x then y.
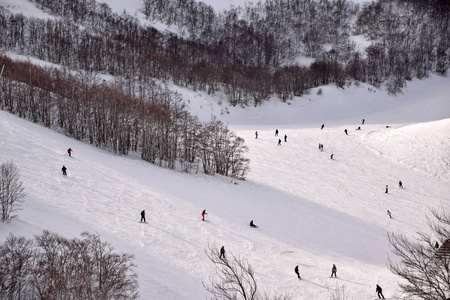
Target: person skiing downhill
{"type": "Point", "coordinates": [331, 156]}
{"type": "Point", "coordinates": [279, 142]}
{"type": "Point", "coordinates": [222, 252]}
{"type": "Point", "coordinates": [64, 169]}
{"type": "Point", "coordinates": [400, 184]}
{"type": "Point", "coordinates": [297, 272]}
{"type": "Point", "coordinates": [323, 125]}
{"type": "Point", "coordinates": [345, 130]}
{"type": "Point", "coordinates": [69, 151]}
{"type": "Point", "coordinates": [363, 121]}
{"type": "Point", "coordinates": [285, 137]}
{"type": "Point", "coordinates": [333, 270]}
{"type": "Point", "coordinates": [387, 189]}
{"type": "Point", "coordinates": [389, 214]}
{"type": "Point", "coordinates": [203, 214]}
{"type": "Point", "coordinates": [256, 134]}
{"type": "Point", "coordinates": [276, 132]}
{"type": "Point", "coordinates": [143, 216]}
{"type": "Point", "coordinates": [252, 224]}
{"type": "Point", "coordinates": [379, 291]}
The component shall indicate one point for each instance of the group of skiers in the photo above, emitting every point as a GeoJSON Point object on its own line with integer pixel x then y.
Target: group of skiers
{"type": "Point", "coordinates": [64, 168]}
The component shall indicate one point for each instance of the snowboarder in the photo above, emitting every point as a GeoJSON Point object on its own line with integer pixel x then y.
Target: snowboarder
{"type": "Point", "coordinates": [323, 125]}
{"type": "Point", "coordinates": [279, 142]}
{"type": "Point", "coordinates": [64, 169]}
{"type": "Point", "coordinates": [222, 252]}
{"type": "Point", "coordinates": [345, 130]}
{"type": "Point", "coordinates": [400, 184]}
{"type": "Point", "coordinates": [285, 137]}
{"type": "Point", "coordinates": [363, 121]}
{"type": "Point", "coordinates": [297, 272]}
{"type": "Point", "coordinates": [436, 246]}
{"type": "Point", "coordinates": [389, 214]}
{"type": "Point", "coordinates": [276, 132]}
{"type": "Point", "coordinates": [333, 270]}
{"type": "Point", "coordinates": [387, 189]}
{"type": "Point", "coordinates": [203, 214]}
{"type": "Point", "coordinates": [252, 225]}
{"type": "Point", "coordinates": [69, 151]}
{"type": "Point", "coordinates": [379, 291]}
{"type": "Point", "coordinates": [359, 128]}
{"type": "Point", "coordinates": [143, 216]}
{"type": "Point", "coordinates": [256, 134]}
{"type": "Point", "coordinates": [331, 156]}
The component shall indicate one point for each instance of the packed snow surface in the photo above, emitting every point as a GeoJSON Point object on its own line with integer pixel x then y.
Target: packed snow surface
{"type": "Point", "coordinates": [311, 211]}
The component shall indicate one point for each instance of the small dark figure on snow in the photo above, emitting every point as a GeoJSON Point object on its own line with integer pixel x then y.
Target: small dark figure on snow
{"type": "Point", "coordinates": [363, 121]}
{"type": "Point", "coordinates": [387, 189]}
{"type": "Point", "coordinates": [359, 128]}
{"type": "Point", "coordinates": [345, 130]}
{"type": "Point", "coordinates": [279, 142]}
{"type": "Point", "coordinates": [252, 224]}
{"type": "Point", "coordinates": [285, 137]}
{"type": "Point", "coordinates": [400, 184]}
{"type": "Point", "coordinates": [331, 156]}
{"type": "Point", "coordinates": [297, 272]}
{"type": "Point", "coordinates": [222, 252]}
{"type": "Point", "coordinates": [203, 214]}
{"type": "Point", "coordinates": [276, 132]}
{"type": "Point", "coordinates": [436, 246]}
{"type": "Point", "coordinates": [379, 291]}
{"type": "Point", "coordinates": [333, 270]}
{"type": "Point", "coordinates": [389, 214]}
{"type": "Point", "coordinates": [69, 151]}
{"type": "Point", "coordinates": [256, 134]}
{"type": "Point", "coordinates": [64, 169]}
{"type": "Point", "coordinates": [143, 216]}
{"type": "Point", "coordinates": [323, 125]}
{"type": "Point", "coordinates": [320, 147]}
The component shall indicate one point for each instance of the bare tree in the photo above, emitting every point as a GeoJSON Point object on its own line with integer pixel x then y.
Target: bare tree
{"type": "Point", "coordinates": [235, 279]}
{"type": "Point", "coordinates": [11, 191]}
{"type": "Point", "coordinates": [426, 269]}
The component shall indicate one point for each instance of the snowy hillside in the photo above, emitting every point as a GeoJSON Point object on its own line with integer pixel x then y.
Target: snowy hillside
{"type": "Point", "coordinates": [312, 211]}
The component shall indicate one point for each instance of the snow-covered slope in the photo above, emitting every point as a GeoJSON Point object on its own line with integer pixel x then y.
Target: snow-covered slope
{"type": "Point", "coordinates": [312, 211]}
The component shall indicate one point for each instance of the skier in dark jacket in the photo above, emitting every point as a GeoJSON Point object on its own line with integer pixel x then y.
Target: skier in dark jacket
{"type": "Point", "coordinates": [345, 130]}
{"type": "Point", "coordinates": [379, 291]}
{"type": "Point", "coordinates": [333, 270]}
{"type": "Point", "coordinates": [276, 132]}
{"type": "Point", "coordinates": [252, 224]}
{"type": "Point", "coordinates": [400, 184]}
{"type": "Point", "coordinates": [297, 272]}
{"type": "Point", "coordinates": [203, 214]}
{"type": "Point", "coordinates": [323, 125]}
{"type": "Point", "coordinates": [222, 252]}
{"type": "Point", "coordinates": [363, 121]}
{"type": "Point", "coordinates": [143, 216]}
{"type": "Point", "coordinates": [256, 134]}
{"type": "Point", "coordinates": [69, 151]}
{"type": "Point", "coordinates": [387, 189]}
{"type": "Point", "coordinates": [64, 169]}
{"type": "Point", "coordinates": [285, 137]}
{"type": "Point", "coordinates": [279, 142]}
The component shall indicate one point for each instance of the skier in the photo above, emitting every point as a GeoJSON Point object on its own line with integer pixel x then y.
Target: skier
{"type": "Point", "coordinates": [333, 270]}
{"type": "Point", "coordinates": [436, 246]}
{"type": "Point", "coordinates": [389, 214]}
{"type": "Point", "coordinates": [276, 132]}
{"type": "Point", "coordinates": [400, 184]}
{"type": "Point", "coordinates": [345, 130]}
{"type": "Point", "coordinates": [285, 137]}
{"type": "Point", "coordinates": [279, 142]}
{"type": "Point", "coordinates": [297, 272]}
{"type": "Point", "coordinates": [331, 156]}
{"type": "Point", "coordinates": [203, 214]}
{"type": "Point", "coordinates": [363, 121]}
{"type": "Point", "coordinates": [252, 225]}
{"type": "Point", "coordinates": [143, 216]}
{"type": "Point", "coordinates": [256, 134]}
{"type": "Point", "coordinates": [323, 125]}
{"type": "Point", "coordinates": [69, 151]}
{"type": "Point", "coordinates": [387, 189]}
{"type": "Point", "coordinates": [359, 128]}
{"type": "Point", "coordinates": [64, 169]}
{"type": "Point", "coordinates": [320, 146]}
{"type": "Point", "coordinates": [222, 252]}
{"type": "Point", "coordinates": [379, 291]}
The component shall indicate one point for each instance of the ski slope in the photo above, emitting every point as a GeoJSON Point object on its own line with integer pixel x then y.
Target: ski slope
{"type": "Point", "coordinates": [311, 211]}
